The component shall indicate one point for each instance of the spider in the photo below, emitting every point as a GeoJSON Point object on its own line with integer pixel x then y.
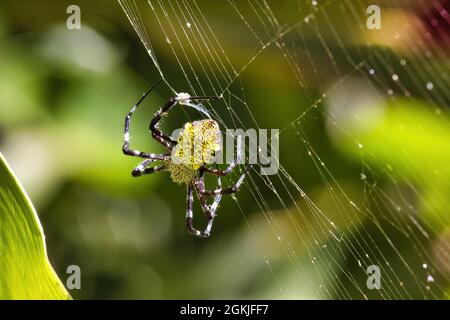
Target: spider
{"type": "Point", "coordinates": [186, 158]}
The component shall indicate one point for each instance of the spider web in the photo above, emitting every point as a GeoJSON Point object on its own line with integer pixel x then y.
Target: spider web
{"type": "Point", "coordinates": [328, 238]}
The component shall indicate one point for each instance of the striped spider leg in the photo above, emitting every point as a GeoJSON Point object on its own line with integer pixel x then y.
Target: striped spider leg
{"type": "Point", "coordinates": [202, 193]}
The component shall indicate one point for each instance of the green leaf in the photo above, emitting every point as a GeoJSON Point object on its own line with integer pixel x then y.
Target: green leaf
{"type": "Point", "coordinates": [25, 272]}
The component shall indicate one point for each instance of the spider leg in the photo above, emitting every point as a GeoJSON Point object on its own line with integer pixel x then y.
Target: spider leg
{"type": "Point", "coordinates": [229, 190]}
{"type": "Point", "coordinates": [142, 168]}
{"type": "Point", "coordinates": [157, 134]}
{"type": "Point", "coordinates": [189, 213]}
{"type": "Point", "coordinates": [126, 143]}
{"type": "Point", "coordinates": [218, 172]}
{"type": "Point", "coordinates": [202, 98]}
{"type": "Point", "coordinates": [209, 211]}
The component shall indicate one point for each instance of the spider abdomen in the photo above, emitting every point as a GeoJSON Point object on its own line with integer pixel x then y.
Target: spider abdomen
{"type": "Point", "coordinates": [197, 144]}
{"type": "Point", "coordinates": [181, 173]}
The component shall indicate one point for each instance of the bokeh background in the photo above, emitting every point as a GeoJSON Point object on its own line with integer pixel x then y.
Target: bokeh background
{"type": "Point", "coordinates": [64, 94]}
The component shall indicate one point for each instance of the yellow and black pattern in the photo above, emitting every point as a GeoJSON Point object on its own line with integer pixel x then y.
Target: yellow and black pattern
{"type": "Point", "coordinates": [198, 143]}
